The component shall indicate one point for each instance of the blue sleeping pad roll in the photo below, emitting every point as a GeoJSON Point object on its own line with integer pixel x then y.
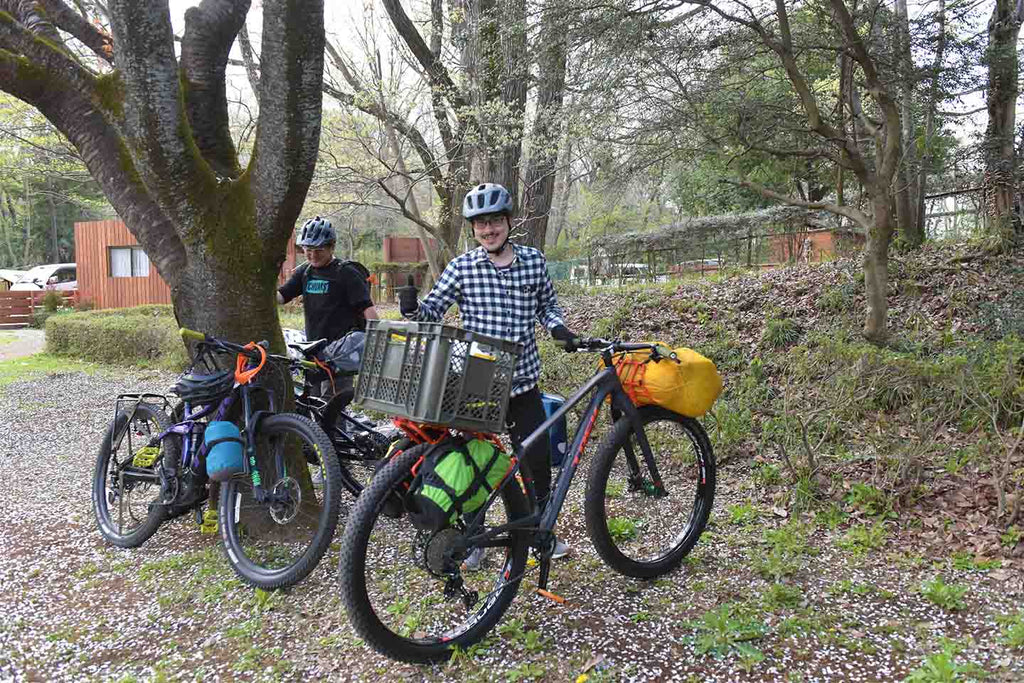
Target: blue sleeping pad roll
{"type": "Point", "coordinates": [224, 454]}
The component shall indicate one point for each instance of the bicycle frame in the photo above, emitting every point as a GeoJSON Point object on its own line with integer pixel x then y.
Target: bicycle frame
{"type": "Point", "coordinates": [603, 384]}
{"type": "Point", "coordinates": [186, 429]}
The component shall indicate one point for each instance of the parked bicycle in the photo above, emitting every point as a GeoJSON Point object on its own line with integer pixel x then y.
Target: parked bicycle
{"type": "Point", "coordinates": [358, 441]}
{"type": "Point", "coordinates": [274, 522]}
{"type": "Point", "coordinates": [648, 498]}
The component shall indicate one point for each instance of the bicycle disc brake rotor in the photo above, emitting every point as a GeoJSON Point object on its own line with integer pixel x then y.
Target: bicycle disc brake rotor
{"type": "Point", "coordinates": [288, 497]}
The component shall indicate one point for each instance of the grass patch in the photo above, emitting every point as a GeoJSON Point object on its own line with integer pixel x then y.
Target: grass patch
{"type": "Point", "coordinates": [20, 369]}
{"type": "Point", "coordinates": [727, 630]}
{"type": "Point", "coordinates": [787, 546]}
{"type": "Point", "coordinates": [1011, 629]}
{"type": "Point", "coordinates": [942, 667]}
{"type": "Point", "coordinates": [946, 596]}
{"type": "Point", "coordinates": [862, 538]}
{"type": "Point", "coordinates": [781, 333]}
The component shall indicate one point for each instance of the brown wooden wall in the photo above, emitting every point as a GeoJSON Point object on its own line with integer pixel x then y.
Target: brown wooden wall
{"type": "Point", "coordinates": [405, 250]}
{"type": "Point", "coordinates": [92, 241]}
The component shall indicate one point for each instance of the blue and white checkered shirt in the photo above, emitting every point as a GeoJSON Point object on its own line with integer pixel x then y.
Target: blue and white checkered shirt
{"type": "Point", "coordinates": [500, 302]}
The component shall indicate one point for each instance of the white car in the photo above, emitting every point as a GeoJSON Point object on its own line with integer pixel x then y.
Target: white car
{"type": "Point", "coordinates": [60, 276]}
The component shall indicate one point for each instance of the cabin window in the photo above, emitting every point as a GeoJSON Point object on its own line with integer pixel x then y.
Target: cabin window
{"type": "Point", "coordinates": [128, 262]}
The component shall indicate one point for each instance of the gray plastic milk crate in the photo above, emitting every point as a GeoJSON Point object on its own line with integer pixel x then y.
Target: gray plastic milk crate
{"type": "Point", "coordinates": [429, 372]}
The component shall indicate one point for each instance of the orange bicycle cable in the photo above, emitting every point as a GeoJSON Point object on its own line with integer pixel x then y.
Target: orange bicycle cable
{"type": "Point", "coordinates": [243, 375]}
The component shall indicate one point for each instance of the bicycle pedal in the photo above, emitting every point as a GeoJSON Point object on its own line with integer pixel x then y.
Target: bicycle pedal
{"type": "Point", "coordinates": [209, 523]}
{"type": "Point", "coordinates": [554, 597]}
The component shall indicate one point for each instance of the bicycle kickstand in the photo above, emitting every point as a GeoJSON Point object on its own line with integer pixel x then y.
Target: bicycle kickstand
{"type": "Point", "coordinates": [542, 583]}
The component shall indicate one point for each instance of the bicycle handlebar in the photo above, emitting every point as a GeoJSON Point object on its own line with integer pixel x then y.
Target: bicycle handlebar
{"type": "Point", "coordinates": [597, 344]}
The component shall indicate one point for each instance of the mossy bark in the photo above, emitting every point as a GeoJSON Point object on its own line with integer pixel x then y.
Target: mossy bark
{"type": "Point", "coordinates": [154, 133]}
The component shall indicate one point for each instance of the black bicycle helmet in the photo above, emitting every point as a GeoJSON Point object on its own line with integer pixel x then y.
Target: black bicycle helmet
{"type": "Point", "coordinates": [317, 232]}
{"type": "Point", "coordinates": [201, 389]}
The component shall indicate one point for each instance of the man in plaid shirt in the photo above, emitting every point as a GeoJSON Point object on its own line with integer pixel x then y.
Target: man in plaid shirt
{"type": "Point", "coordinates": [501, 289]}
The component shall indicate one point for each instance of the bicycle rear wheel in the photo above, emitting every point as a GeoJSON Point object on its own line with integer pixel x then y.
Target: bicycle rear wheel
{"type": "Point", "coordinates": [276, 543]}
{"type": "Point", "coordinates": [405, 591]}
{"type": "Point", "coordinates": [360, 448]}
{"type": "Point", "coordinates": [637, 529]}
{"type": "Point", "coordinates": [126, 484]}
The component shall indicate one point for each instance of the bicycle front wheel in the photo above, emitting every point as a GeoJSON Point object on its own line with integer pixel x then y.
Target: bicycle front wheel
{"type": "Point", "coordinates": [638, 528]}
{"type": "Point", "coordinates": [126, 481]}
{"type": "Point", "coordinates": [275, 535]}
{"type": "Point", "coordinates": [409, 594]}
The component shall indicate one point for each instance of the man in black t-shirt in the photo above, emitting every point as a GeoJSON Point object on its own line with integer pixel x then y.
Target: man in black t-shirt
{"type": "Point", "coordinates": [335, 297]}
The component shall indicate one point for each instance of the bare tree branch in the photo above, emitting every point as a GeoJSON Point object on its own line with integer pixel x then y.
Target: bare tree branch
{"type": "Point", "coordinates": [288, 136]}
{"type": "Point", "coordinates": [850, 212]}
{"type": "Point", "coordinates": [97, 40]}
{"type": "Point", "coordinates": [249, 60]}
{"type": "Point", "coordinates": [210, 31]}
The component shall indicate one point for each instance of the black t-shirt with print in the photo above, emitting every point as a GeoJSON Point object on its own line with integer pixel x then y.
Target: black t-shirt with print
{"type": "Point", "coordinates": [333, 298]}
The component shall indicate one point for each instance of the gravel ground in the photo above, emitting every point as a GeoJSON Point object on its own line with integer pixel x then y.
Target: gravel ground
{"type": "Point", "coordinates": [19, 343]}
{"type": "Point", "coordinates": [73, 608]}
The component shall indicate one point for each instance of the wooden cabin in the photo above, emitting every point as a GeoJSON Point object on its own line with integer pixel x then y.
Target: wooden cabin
{"type": "Point", "coordinates": [115, 272]}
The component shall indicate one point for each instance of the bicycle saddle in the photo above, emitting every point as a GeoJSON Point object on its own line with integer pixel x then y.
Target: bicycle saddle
{"type": "Point", "coordinates": [309, 349]}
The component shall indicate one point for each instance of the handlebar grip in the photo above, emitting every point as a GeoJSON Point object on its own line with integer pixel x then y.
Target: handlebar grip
{"type": "Point", "coordinates": [191, 335]}
{"type": "Point", "coordinates": [308, 365]}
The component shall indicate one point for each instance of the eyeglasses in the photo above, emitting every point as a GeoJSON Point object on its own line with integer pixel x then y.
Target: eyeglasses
{"type": "Point", "coordinates": [485, 221]}
{"type": "Point", "coordinates": [316, 250]}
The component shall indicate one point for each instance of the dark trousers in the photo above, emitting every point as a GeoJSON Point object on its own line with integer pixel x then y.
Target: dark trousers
{"type": "Point", "coordinates": [525, 414]}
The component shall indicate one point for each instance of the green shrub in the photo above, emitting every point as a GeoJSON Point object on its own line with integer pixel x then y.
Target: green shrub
{"type": "Point", "coordinates": [781, 333]}
{"type": "Point", "coordinates": [39, 318]}
{"type": "Point", "coordinates": [52, 301]}
{"type": "Point", "coordinates": [834, 300]}
{"type": "Point", "coordinates": [143, 335]}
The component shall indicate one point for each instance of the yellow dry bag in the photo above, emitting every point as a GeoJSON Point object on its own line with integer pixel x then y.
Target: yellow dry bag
{"type": "Point", "coordinates": [687, 385]}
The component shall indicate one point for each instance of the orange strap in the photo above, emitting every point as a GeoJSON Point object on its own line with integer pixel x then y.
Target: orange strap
{"type": "Point", "coordinates": [330, 375]}
{"type": "Point", "coordinates": [631, 374]}
{"type": "Point", "coordinates": [243, 375]}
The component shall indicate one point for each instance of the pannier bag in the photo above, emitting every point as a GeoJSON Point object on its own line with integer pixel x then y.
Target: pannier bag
{"type": "Point", "coordinates": [224, 450]}
{"type": "Point", "coordinates": [558, 435]}
{"type": "Point", "coordinates": [455, 478]}
{"type": "Point", "coordinates": [688, 386]}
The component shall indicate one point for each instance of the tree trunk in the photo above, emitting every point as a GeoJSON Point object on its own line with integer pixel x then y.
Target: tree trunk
{"type": "Point", "coordinates": [501, 89]}
{"type": "Point", "coordinates": [907, 191]}
{"type": "Point", "coordinates": [538, 189]}
{"type": "Point", "coordinates": [876, 266]}
{"type": "Point", "coordinates": [154, 133]}
{"type": "Point", "coordinates": [563, 186]}
{"type": "Point", "coordinates": [410, 203]}
{"type": "Point", "coordinates": [1000, 158]}
{"type": "Point", "coordinates": [929, 117]}
{"type": "Point", "coordinates": [26, 246]}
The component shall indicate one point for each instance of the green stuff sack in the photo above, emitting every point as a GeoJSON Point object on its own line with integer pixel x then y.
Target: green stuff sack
{"type": "Point", "coordinates": [454, 479]}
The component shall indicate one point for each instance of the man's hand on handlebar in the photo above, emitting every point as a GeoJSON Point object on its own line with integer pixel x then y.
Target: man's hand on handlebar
{"type": "Point", "coordinates": [566, 338]}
